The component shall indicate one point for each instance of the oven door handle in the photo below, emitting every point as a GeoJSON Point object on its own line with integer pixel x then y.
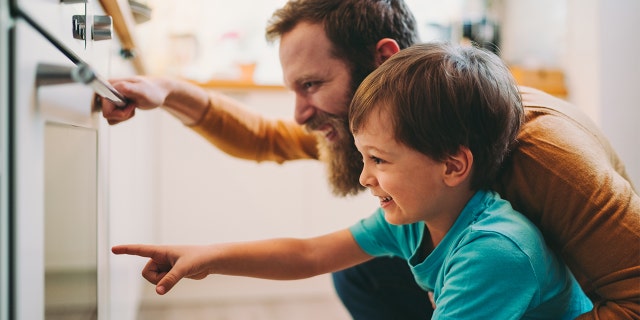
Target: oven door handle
{"type": "Point", "coordinates": [82, 73]}
{"type": "Point", "coordinates": [50, 74]}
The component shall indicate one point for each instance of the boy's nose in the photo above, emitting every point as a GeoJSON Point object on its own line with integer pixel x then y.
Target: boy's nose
{"type": "Point", "coordinates": [366, 180]}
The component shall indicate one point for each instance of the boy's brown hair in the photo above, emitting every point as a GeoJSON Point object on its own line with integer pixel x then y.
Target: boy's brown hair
{"type": "Point", "coordinates": [442, 96]}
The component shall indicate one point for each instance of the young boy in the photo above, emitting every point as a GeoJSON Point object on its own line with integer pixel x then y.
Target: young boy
{"type": "Point", "coordinates": [433, 124]}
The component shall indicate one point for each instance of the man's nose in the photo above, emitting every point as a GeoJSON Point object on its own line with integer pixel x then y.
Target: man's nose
{"type": "Point", "coordinates": [304, 110]}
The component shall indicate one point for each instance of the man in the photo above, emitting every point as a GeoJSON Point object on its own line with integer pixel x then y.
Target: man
{"type": "Point", "coordinates": [563, 175]}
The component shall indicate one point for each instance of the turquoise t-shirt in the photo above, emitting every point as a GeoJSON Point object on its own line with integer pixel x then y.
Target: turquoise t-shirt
{"type": "Point", "coordinates": [492, 264]}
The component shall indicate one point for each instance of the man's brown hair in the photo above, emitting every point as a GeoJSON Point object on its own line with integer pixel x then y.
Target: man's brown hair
{"type": "Point", "coordinates": [354, 27]}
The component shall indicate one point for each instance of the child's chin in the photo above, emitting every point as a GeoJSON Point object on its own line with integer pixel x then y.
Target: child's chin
{"type": "Point", "coordinates": [394, 219]}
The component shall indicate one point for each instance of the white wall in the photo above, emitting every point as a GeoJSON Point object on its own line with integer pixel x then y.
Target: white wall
{"type": "Point", "coordinates": [581, 64]}
{"type": "Point", "coordinates": [533, 32]}
{"type": "Point", "coordinates": [593, 42]}
{"type": "Point", "coordinates": [618, 81]}
{"type": "Point", "coordinates": [603, 70]}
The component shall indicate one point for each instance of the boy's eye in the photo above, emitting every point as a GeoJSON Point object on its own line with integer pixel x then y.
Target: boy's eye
{"type": "Point", "coordinates": [376, 160]}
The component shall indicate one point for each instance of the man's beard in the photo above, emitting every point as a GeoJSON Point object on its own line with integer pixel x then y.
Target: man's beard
{"type": "Point", "coordinates": [344, 162]}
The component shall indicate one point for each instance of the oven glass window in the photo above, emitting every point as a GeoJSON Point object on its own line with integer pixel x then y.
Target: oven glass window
{"type": "Point", "coordinates": [70, 222]}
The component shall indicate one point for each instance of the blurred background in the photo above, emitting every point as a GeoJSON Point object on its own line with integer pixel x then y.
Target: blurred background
{"type": "Point", "coordinates": [205, 39]}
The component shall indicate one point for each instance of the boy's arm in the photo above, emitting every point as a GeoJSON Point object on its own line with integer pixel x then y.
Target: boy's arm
{"type": "Point", "coordinates": [278, 259]}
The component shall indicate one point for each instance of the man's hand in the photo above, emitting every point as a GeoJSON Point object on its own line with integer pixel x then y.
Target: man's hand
{"type": "Point", "coordinates": [140, 93]}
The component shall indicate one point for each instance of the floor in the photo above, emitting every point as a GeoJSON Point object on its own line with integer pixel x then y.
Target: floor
{"type": "Point", "coordinates": [317, 308]}
{"type": "Point", "coordinates": [240, 298]}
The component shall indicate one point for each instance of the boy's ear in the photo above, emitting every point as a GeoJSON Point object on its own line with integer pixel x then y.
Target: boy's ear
{"type": "Point", "coordinates": [385, 48]}
{"type": "Point", "coordinates": [458, 167]}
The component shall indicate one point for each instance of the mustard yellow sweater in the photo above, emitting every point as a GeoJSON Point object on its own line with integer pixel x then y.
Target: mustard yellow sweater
{"type": "Point", "coordinates": [564, 176]}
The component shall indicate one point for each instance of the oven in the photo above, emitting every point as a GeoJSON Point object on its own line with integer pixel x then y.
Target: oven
{"type": "Point", "coordinates": [54, 180]}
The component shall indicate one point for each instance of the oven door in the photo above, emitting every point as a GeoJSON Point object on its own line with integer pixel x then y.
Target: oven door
{"type": "Point", "coordinates": [60, 18]}
{"type": "Point", "coordinates": [57, 198]}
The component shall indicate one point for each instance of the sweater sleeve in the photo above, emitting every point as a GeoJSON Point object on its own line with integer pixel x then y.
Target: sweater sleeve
{"type": "Point", "coordinates": [567, 179]}
{"type": "Point", "coordinates": [247, 135]}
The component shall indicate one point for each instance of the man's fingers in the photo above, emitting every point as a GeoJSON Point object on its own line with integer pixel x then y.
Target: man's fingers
{"type": "Point", "coordinates": [134, 91]}
{"type": "Point", "coordinates": [113, 81]}
{"type": "Point", "coordinates": [116, 115]}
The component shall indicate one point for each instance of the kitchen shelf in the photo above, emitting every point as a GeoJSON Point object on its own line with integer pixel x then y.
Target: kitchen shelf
{"type": "Point", "coordinates": [123, 24]}
{"type": "Point", "coordinates": [548, 80]}
{"type": "Point", "coordinates": [237, 85]}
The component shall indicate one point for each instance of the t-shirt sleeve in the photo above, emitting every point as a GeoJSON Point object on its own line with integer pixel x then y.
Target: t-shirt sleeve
{"type": "Point", "coordinates": [480, 277]}
{"type": "Point", "coordinates": [377, 237]}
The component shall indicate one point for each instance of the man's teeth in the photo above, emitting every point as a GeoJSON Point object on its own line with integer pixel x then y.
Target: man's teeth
{"type": "Point", "coordinates": [385, 199]}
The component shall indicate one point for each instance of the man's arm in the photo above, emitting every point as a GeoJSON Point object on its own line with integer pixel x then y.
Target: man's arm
{"type": "Point", "coordinates": [223, 121]}
{"type": "Point", "coordinates": [248, 135]}
{"type": "Point", "coordinates": [186, 101]}
{"type": "Point", "coordinates": [566, 178]}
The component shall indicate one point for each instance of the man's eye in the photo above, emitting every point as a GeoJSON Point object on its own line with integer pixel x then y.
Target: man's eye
{"type": "Point", "coordinates": [307, 85]}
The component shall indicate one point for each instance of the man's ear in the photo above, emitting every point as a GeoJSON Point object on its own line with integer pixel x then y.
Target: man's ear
{"type": "Point", "coordinates": [385, 48]}
{"type": "Point", "coordinates": [458, 167]}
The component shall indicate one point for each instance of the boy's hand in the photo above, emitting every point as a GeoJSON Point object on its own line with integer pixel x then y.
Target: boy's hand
{"type": "Point", "coordinates": [168, 264]}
